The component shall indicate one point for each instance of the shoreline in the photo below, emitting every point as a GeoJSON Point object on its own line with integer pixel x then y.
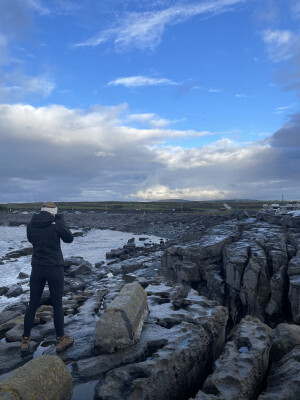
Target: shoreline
{"type": "Point", "coordinates": [178, 227]}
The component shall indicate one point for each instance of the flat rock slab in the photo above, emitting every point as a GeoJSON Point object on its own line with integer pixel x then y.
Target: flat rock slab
{"type": "Point", "coordinates": [43, 378]}
{"type": "Point", "coordinates": [121, 323]}
{"type": "Point", "coordinates": [179, 353]}
{"type": "Point", "coordinates": [153, 338]}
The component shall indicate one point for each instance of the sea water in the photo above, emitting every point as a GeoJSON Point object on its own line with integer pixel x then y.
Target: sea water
{"type": "Point", "coordinates": [92, 246]}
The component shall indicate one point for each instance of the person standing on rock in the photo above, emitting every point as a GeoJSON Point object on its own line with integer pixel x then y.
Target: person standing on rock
{"type": "Point", "coordinates": [44, 232]}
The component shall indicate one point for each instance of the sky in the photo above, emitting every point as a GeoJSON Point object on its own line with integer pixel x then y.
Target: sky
{"type": "Point", "coordinates": [140, 100]}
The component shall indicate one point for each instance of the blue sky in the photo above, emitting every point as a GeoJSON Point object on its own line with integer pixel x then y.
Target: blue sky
{"type": "Point", "coordinates": [144, 100]}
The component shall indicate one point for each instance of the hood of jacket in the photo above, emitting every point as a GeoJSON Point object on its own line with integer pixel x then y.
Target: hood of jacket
{"type": "Point", "coordinates": [42, 220]}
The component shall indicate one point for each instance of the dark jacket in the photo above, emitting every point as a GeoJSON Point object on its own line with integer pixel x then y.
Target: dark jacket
{"type": "Point", "coordinates": [44, 232]}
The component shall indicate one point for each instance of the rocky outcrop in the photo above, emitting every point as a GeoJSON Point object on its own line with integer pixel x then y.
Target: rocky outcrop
{"type": "Point", "coordinates": [284, 378]}
{"type": "Point", "coordinates": [240, 371]}
{"type": "Point", "coordinates": [122, 253]}
{"type": "Point", "coordinates": [286, 338]}
{"type": "Point", "coordinates": [199, 265]}
{"type": "Point", "coordinates": [294, 287]}
{"type": "Point", "coordinates": [44, 378]}
{"type": "Point", "coordinates": [121, 323]}
{"type": "Point", "coordinates": [255, 268]}
{"type": "Point", "coordinates": [241, 265]}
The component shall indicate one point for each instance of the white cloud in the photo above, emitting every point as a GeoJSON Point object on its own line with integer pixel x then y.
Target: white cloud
{"type": "Point", "coordinates": [281, 110]}
{"type": "Point", "coordinates": [281, 44]}
{"type": "Point", "coordinates": [214, 90]}
{"type": "Point", "coordinates": [140, 80]}
{"type": "Point", "coordinates": [278, 37]}
{"type": "Point", "coordinates": [219, 154]}
{"type": "Point", "coordinates": [55, 7]}
{"type": "Point", "coordinates": [160, 192]}
{"type": "Point", "coordinates": [99, 126]}
{"type": "Point", "coordinates": [241, 95]}
{"type": "Point", "coordinates": [39, 84]}
{"type": "Point", "coordinates": [146, 117]}
{"type": "Point", "coordinates": [16, 85]}
{"type": "Point", "coordinates": [145, 30]}
{"type": "Point", "coordinates": [151, 119]}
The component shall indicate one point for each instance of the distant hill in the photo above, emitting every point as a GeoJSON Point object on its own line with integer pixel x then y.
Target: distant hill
{"type": "Point", "coordinates": [204, 201]}
{"type": "Point", "coordinates": [172, 201]}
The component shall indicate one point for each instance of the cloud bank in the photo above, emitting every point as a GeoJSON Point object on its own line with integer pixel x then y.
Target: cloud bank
{"type": "Point", "coordinates": [94, 154]}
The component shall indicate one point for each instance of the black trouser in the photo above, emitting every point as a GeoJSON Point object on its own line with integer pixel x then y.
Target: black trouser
{"type": "Point", "coordinates": [38, 278]}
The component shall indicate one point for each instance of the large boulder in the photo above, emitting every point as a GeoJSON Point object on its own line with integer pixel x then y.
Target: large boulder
{"type": "Point", "coordinates": [121, 323]}
{"type": "Point", "coordinates": [14, 291]}
{"type": "Point", "coordinates": [23, 275]}
{"type": "Point", "coordinates": [68, 261]}
{"type": "Point", "coordinates": [44, 378]}
{"type": "Point", "coordinates": [85, 268]}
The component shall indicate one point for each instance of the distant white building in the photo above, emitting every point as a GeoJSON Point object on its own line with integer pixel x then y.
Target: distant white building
{"type": "Point", "coordinates": [274, 206]}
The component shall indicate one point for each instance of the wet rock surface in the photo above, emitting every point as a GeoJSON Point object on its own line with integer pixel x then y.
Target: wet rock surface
{"type": "Point", "coordinates": [223, 320]}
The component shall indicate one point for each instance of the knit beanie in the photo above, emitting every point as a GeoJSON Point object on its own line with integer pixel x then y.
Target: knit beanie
{"type": "Point", "coordinates": [50, 207]}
